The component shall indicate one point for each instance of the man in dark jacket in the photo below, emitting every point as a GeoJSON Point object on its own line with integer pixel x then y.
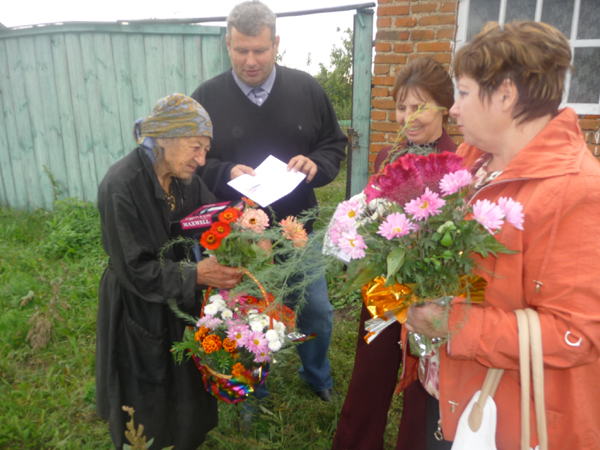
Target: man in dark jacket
{"type": "Point", "coordinates": [259, 109]}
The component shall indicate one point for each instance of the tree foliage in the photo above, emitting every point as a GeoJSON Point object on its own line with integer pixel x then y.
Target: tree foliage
{"type": "Point", "coordinates": [337, 80]}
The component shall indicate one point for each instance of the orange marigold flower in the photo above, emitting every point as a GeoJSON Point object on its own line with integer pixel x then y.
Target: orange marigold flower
{"type": "Point", "coordinates": [211, 343]}
{"type": "Point", "coordinates": [238, 370]}
{"type": "Point", "coordinates": [220, 229]}
{"type": "Point", "coordinates": [229, 215]}
{"type": "Point", "coordinates": [210, 240]}
{"type": "Point", "coordinates": [201, 334]}
{"type": "Point", "coordinates": [229, 345]}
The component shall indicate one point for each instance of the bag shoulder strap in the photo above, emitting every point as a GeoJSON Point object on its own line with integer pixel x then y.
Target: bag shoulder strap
{"type": "Point", "coordinates": [530, 339]}
{"type": "Point", "coordinates": [537, 364]}
{"type": "Point", "coordinates": [523, 324]}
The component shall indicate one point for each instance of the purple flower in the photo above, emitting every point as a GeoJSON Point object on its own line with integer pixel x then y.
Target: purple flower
{"type": "Point", "coordinates": [513, 211]}
{"type": "Point", "coordinates": [488, 214]}
{"type": "Point", "coordinates": [426, 205]}
{"type": "Point", "coordinates": [347, 212]}
{"type": "Point", "coordinates": [395, 225]}
{"type": "Point", "coordinates": [353, 244]}
{"type": "Point", "coordinates": [455, 181]}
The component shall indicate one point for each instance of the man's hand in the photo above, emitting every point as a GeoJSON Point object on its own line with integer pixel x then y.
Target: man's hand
{"type": "Point", "coordinates": [429, 320]}
{"type": "Point", "coordinates": [303, 164]}
{"type": "Point", "coordinates": [211, 273]}
{"type": "Point", "coordinates": [241, 169]}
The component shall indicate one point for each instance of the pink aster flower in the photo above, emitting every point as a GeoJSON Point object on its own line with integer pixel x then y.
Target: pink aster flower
{"type": "Point", "coordinates": [348, 211]}
{"type": "Point", "coordinates": [513, 212]}
{"type": "Point", "coordinates": [254, 219]}
{"type": "Point", "coordinates": [209, 322]}
{"type": "Point", "coordinates": [455, 181]}
{"type": "Point", "coordinates": [395, 225]}
{"type": "Point", "coordinates": [488, 214]}
{"type": "Point", "coordinates": [353, 244]}
{"type": "Point", "coordinates": [335, 233]}
{"type": "Point", "coordinates": [238, 332]}
{"type": "Point", "coordinates": [426, 205]}
{"type": "Point", "coordinates": [256, 342]}
{"type": "Point", "coordinates": [262, 356]}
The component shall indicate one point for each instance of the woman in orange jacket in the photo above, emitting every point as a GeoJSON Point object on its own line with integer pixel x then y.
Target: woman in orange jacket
{"type": "Point", "coordinates": [518, 144]}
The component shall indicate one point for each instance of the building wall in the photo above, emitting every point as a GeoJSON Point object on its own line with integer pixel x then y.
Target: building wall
{"type": "Point", "coordinates": [407, 29]}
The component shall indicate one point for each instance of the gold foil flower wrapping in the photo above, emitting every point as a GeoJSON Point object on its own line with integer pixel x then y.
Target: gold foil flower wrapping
{"type": "Point", "coordinates": [395, 299]}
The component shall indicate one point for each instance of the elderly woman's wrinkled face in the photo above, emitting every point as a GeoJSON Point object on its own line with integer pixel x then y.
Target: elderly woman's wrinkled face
{"type": "Point", "coordinates": [426, 126]}
{"type": "Point", "coordinates": [183, 155]}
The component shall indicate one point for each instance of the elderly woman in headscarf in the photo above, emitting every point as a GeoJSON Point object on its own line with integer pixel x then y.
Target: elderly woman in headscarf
{"type": "Point", "coordinates": [138, 199]}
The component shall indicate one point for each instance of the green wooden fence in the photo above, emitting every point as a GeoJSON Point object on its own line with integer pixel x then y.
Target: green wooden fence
{"type": "Point", "coordinates": [69, 95]}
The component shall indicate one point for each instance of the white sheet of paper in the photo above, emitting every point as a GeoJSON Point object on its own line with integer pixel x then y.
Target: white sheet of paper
{"type": "Point", "coordinates": [271, 182]}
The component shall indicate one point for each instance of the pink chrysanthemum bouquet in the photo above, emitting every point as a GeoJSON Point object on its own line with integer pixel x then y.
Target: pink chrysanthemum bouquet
{"type": "Point", "coordinates": [410, 236]}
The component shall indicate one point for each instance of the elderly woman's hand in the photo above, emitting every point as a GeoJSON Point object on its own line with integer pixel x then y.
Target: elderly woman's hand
{"type": "Point", "coordinates": [429, 320]}
{"type": "Point", "coordinates": [211, 273]}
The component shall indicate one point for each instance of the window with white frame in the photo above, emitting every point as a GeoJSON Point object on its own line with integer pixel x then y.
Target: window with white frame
{"type": "Point", "coordinates": [578, 20]}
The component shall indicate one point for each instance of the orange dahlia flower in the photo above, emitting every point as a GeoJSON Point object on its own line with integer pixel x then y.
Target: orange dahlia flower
{"type": "Point", "coordinates": [229, 215]}
{"type": "Point", "coordinates": [210, 240]}
{"type": "Point", "coordinates": [221, 229]}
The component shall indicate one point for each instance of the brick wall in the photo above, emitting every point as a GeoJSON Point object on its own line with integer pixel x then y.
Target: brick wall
{"type": "Point", "coordinates": [407, 29]}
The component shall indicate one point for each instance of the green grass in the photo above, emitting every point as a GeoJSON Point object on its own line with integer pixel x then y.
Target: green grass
{"type": "Point", "coordinates": [50, 269]}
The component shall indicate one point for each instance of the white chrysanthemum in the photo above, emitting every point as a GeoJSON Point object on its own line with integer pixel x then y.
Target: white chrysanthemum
{"type": "Point", "coordinates": [380, 205]}
{"type": "Point", "coordinates": [211, 309]}
{"type": "Point", "coordinates": [272, 335]}
{"type": "Point", "coordinates": [274, 345]}
{"type": "Point", "coordinates": [215, 297]}
{"type": "Point", "coordinates": [361, 198]}
{"type": "Point", "coordinates": [226, 314]}
{"type": "Point", "coordinates": [280, 328]}
{"type": "Point", "coordinates": [256, 325]}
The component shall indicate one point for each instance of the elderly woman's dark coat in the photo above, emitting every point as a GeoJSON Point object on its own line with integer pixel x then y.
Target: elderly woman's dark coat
{"type": "Point", "coordinates": [136, 327]}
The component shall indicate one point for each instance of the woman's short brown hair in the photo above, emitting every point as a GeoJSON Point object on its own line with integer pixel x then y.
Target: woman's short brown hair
{"type": "Point", "coordinates": [533, 55]}
{"type": "Point", "coordinates": [429, 77]}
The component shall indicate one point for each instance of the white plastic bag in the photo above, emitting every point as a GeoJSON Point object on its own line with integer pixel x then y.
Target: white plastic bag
{"type": "Point", "coordinates": [485, 437]}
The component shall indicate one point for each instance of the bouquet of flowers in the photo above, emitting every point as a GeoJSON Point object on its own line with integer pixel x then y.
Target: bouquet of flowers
{"type": "Point", "coordinates": [234, 339]}
{"type": "Point", "coordinates": [410, 236]}
{"type": "Point", "coordinates": [248, 240]}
